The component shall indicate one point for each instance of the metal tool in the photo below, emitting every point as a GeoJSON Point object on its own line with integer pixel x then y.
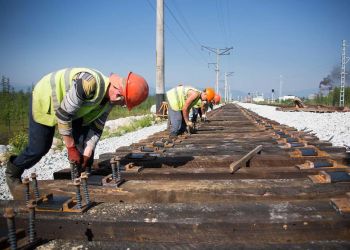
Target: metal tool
{"type": "Point", "coordinates": [245, 160]}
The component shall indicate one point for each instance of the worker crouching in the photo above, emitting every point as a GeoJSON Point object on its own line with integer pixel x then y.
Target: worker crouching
{"type": "Point", "coordinates": [78, 101]}
{"type": "Point", "coordinates": [181, 99]}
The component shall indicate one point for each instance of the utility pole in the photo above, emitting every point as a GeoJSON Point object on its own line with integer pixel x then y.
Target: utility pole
{"type": "Point", "coordinates": [344, 60]}
{"type": "Point", "coordinates": [226, 89]}
{"type": "Point", "coordinates": [280, 92]}
{"type": "Point", "coordinates": [229, 93]}
{"type": "Point", "coordinates": [218, 52]}
{"type": "Point", "coordinates": [160, 97]}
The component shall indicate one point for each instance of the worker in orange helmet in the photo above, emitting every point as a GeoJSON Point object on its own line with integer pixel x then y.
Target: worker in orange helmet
{"type": "Point", "coordinates": [78, 101]}
{"type": "Point", "coordinates": [203, 109]}
{"type": "Point", "coordinates": [181, 99]}
{"type": "Point", "coordinates": [217, 99]}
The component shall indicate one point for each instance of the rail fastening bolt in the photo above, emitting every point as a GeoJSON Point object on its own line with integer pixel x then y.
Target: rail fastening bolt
{"type": "Point", "coordinates": [84, 178]}
{"type": "Point", "coordinates": [77, 192]}
{"type": "Point", "coordinates": [113, 166]}
{"type": "Point", "coordinates": [72, 170]}
{"type": "Point", "coordinates": [119, 176]}
{"type": "Point", "coordinates": [26, 190]}
{"type": "Point", "coordinates": [31, 209]}
{"type": "Point", "coordinates": [35, 185]}
{"type": "Point", "coordinates": [10, 218]}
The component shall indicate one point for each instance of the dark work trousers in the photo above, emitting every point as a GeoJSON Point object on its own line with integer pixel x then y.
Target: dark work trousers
{"type": "Point", "coordinates": [40, 141]}
{"type": "Point", "coordinates": [177, 122]}
{"type": "Point", "coordinates": [195, 113]}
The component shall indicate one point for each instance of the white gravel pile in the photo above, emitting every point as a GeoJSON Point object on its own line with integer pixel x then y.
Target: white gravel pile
{"type": "Point", "coordinates": [113, 124]}
{"type": "Point", "coordinates": [53, 162]}
{"type": "Point", "coordinates": [334, 125]}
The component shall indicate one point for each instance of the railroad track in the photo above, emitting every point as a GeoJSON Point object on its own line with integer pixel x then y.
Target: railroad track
{"type": "Point", "coordinates": [242, 181]}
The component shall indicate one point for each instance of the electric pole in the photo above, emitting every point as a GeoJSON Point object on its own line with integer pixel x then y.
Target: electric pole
{"type": "Point", "coordinates": [226, 89]}
{"type": "Point", "coordinates": [160, 97]}
{"type": "Point", "coordinates": [218, 52]}
{"type": "Point", "coordinates": [344, 60]}
{"type": "Point", "coordinates": [229, 93]}
{"type": "Point", "coordinates": [280, 92]}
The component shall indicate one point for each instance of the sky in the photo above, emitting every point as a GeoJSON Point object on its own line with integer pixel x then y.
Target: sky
{"type": "Point", "coordinates": [297, 42]}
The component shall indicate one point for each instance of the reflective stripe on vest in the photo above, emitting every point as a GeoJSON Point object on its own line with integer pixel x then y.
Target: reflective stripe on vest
{"type": "Point", "coordinates": [67, 83]}
{"type": "Point", "coordinates": [53, 88]}
{"type": "Point", "coordinates": [50, 91]}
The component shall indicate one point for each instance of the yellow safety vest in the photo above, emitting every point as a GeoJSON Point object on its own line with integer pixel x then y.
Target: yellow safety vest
{"type": "Point", "coordinates": [49, 92]}
{"type": "Point", "coordinates": [198, 104]}
{"type": "Point", "coordinates": [177, 97]}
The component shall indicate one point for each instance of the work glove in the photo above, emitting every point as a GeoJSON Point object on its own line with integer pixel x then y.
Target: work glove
{"type": "Point", "coordinates": [74, 155]}
{"type": "Point", "coordinates": [85, 161]}
{"type": "Point", "coordinates": [86, 166]}
{"type": "Point", "coordinates": [204, 118]}
{"type": "Point", "coordinates": [190, 127]}
{"type": "Point", "coordinates": [189, 124]}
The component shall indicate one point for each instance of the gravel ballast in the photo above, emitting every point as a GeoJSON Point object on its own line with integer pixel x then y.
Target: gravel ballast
{"type": "Point", "coordinates": [334, 126]}
{"type": "Point", "coordinates": [53, 162]}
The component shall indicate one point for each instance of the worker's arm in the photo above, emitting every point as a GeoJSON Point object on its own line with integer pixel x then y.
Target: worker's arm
{"type": "Point", "coordinates": [81, 90]}
{"type": "Point", "coordinates": [210, 105]}
{"type": "Point", "coordinates": [204, 108]}
{"type": "Point", "coordinates": [95, 132]}
{"type": "Point", "coordinates": [192, 96]}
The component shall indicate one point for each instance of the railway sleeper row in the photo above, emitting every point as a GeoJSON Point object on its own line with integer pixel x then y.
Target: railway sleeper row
{"type": "Point", "coordinates": [240, 181]}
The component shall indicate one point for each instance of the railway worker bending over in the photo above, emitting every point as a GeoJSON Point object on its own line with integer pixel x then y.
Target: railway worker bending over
{"type": "Point", "coordinates": [78, 100]}
{"type": "Point", "coordinates": [202, 109]}
{"type": "Point", "coordinates": [181, 99]}
{"type": "Point", "coordinates": [216, 100]}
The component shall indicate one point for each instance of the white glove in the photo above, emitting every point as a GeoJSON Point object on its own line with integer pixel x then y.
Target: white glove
{"type": "Point", "coordinates": [190, 124]}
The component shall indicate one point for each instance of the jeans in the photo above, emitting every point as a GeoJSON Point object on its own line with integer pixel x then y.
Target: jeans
{"type": "Point", "coordinates": [195, 113]}
{"type": "Point", "coordinates": [177, 122]}
{"type": "Point", "coordinates": [40, 141]}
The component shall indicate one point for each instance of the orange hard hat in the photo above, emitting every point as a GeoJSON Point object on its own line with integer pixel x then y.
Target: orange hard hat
{"type": "Point", "coordinates": [217, 99]}
{"type": "Point", "coordinates": [210, 94]}
{"type": "Point", "coordinates": [135, 90]}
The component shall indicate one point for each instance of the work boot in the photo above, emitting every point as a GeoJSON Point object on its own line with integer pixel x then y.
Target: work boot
{"type": "Point", "coordinates": [13, 175]}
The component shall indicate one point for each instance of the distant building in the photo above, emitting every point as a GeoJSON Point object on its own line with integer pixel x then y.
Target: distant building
{"type": "Point", "coordinates": [258, 99]}
{"type": "Point", "coordinates": [287, 97]}
{"type": "Point", "coordinates": [312, 96]}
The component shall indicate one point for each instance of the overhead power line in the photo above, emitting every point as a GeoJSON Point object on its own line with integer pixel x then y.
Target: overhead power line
{"type": "Point", "coordinates": [186, 24]}
{"type": "Point", "coordinates": [219, 52]}
{"type": "Point", "coordinates": [221, 19]}
{"type": "Point", "coordinates": [188, 34]}
{"type": "Point", "coordinates": [174, 35]}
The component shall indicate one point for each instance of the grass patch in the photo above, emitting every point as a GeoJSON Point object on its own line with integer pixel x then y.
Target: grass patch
{"type": "Point", "coordinates": [18, 142]}
{"type": "Point", "coordinates": [142, 109]}
{"type": "Point", "coordinates": [15, 107]}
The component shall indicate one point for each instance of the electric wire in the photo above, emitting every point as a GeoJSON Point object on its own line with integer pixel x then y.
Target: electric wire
{"type": "Point", "coordinates": [182, 28]}
{"type": "Point", "coordinates": [173, 34]}
{"type": "Point", "coordinates": [188, 28]}
{"type": "Point", "coordinates": [220, 16]}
